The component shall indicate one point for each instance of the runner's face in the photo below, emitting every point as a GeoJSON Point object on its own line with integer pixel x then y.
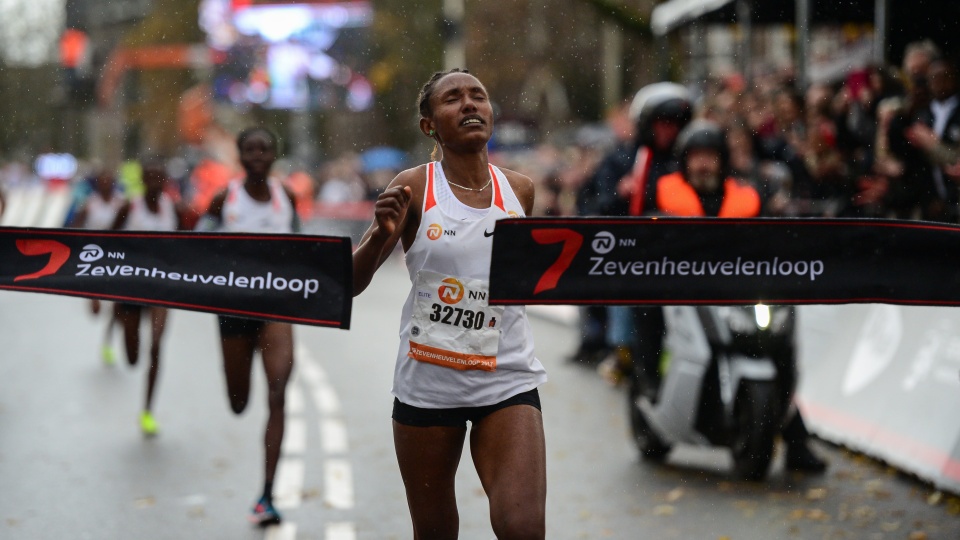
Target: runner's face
{"type": "Point", "coordinates": [462, 114]}
{"type": "Point", "coordinates": [257, 154]}
{"type": "Point", "coordinates": [154, 179]}
{"type": "Point", "coordinates": [104, 184]}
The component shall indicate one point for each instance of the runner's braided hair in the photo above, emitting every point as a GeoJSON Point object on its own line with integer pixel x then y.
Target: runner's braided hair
{"type": "Point", "coordinates": [423, 100]}
{"type": "Point", "coordinates": [254, 130]}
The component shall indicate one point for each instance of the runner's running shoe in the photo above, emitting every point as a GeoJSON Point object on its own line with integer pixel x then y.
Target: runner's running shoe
{"type": "Point", "coordinates": [264, 513]}
{"type": "Point", "coordinates": [148, 424]}
{"type": "Point", "coordinates": [108, 354]}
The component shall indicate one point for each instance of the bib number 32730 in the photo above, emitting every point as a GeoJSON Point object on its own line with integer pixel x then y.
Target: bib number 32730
{"type": "Point", "coordinates": [452, 324]}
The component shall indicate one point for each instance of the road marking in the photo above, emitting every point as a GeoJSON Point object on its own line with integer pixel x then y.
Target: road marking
{"type": "Point", "coordinates": [333, 436]}
{"type": "Point", "coordinates": [338, 476]}
{"type": "Point", "coordinates": [284, 531]}
{"type": "Point", "coordinates": [295, 402]}
{"type": "Point", "coordinates": [313, 375]}
{"type": "Point", "coordinates": [338, 484]}
{"type": "Point", "coordinates": [288, 483]}
{"type": "Point", "coordinates": [295, 436]}
{"type": "Point", "coordinates": [340, 531]}
{"type": "Point", "coordinates": [326, 400]}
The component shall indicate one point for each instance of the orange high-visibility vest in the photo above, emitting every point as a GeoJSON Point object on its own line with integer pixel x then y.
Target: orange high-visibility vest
{"type": "Point", "coordinates": [676, 197]}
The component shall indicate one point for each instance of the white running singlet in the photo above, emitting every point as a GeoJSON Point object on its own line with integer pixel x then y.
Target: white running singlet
{"type": "Point", "coordinates": [141, 218]}
{"type": "Point", "coordinates": [100, 213]}
{"type": "Point", "coordinates": [455, 349]}
{"type": "Point", "coordinates": [243, 213]}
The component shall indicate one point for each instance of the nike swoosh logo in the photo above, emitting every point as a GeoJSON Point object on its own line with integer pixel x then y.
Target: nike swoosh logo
{"type": "Point", "coordinates": [487, 234]}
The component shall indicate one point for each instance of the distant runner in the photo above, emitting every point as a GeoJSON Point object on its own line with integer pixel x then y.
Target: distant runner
{"type": "Point", "coordinates": [99, 211]}
{"type": "Point", "coordinates": [154, 211]}
{"type": "Point", "coordinates": [257, 204]}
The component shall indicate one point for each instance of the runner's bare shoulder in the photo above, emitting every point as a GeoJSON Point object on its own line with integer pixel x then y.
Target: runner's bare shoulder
{"type": "Point", "coordinates": [523, 187]}
{"type": "Point", "coordinates": [414, 178]}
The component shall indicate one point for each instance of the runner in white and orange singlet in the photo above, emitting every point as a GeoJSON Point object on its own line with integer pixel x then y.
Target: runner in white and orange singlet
{"type": "Point", "coordinates": [260, 204]}
{"type": "Point", "coordinates": [460, 359]}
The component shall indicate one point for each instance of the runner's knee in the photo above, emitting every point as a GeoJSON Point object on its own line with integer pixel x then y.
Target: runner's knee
{"type": "Point", "coordinates": [519, 524]}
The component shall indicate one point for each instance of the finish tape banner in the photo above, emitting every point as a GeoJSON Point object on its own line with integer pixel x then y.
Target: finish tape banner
{"type": "Point", "coordinates": [684, 261]}
{"type": "Point", "coordinates": [287, 278]}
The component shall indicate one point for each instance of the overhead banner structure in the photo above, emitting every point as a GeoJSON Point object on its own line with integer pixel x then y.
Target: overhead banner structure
{"type": "Point", "coordinates": [287, 278]}
{"type": "Point", "coordinates": [677, 261]}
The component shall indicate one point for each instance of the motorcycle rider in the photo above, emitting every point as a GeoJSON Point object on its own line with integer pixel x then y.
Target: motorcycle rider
{"type": "Point", "coordinates": [703, 187]}
{"type": "Point", "coordinates": [625, 185]}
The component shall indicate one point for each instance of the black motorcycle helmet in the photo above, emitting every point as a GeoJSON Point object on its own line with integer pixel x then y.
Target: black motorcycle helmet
{"type": "Point", "coordinates": [659, 101]}
{"type": "Point", "coordinates": [703, 134]}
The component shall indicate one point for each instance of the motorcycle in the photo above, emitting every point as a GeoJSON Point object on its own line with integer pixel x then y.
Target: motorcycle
{"type": "Point", "coordinates": [727, 376]}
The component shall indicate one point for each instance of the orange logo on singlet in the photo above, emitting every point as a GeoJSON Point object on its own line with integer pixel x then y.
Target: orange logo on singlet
{"type": "Point", "coordinates": [513, 214]}
{"type": "Point", "coordinates": [434, 231]}
{"type": "Point", "coordinates": [451, 291]}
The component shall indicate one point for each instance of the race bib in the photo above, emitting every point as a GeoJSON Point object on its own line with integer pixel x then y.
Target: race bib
{"type": "Point", "coordinates": [452, 325]}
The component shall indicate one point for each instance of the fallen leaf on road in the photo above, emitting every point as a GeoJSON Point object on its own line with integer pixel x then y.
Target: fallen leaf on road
{"type": "Point", "coordinates": [664, 510]}
{"type": "Point", "coordinates": [864, 512]}
{"type": "Point", "coordinates": [917, 535]}
{"type": "Point", "coordinates": [145, 502]}
{"type": "Point", "coordinates": [953, 506]}
{"type": "Point", "coordinates": [816, 494]}
{"type": "Point", "coordinates": [935, 498]}
{"type": "Point", "coordinates": [749, 508]}
{"type": "Point", "coordinates": [675, 495]}
{"type": "Point", "coordinates": [878, 489]}
{"type": "Point", "coordinates": [890, 526]}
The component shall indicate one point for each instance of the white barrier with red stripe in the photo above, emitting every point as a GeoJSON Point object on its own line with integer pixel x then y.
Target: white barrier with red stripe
{"type": "Point", "coordinates": [36, 205]}
{"type": "Point", "coordinates": [885, 380]}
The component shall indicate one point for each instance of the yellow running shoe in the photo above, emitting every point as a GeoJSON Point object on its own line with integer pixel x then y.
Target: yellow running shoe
{"type": "Point", "coordinates": [148, 424]}
{"type": "Point", "coordinates": [108, 355]}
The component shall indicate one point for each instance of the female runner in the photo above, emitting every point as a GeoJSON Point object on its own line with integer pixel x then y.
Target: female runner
{"type": "Point", "coordinates": [460, 359]}
{"type": "Point", "coordinates": [259, 204]}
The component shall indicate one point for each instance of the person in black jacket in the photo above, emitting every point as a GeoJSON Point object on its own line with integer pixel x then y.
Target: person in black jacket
{"type": "Point", "coordinates": [624, 184]}
{"type": "Point", "coordinates": [936, 134]}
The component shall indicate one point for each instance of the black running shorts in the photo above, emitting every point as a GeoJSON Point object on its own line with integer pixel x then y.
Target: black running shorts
{"type": "Point", "coordinates": [239, 327]}
{"type": "Point", "coordinates": [409, 415]}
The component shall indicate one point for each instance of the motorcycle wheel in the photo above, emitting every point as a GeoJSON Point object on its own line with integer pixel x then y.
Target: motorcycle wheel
{"type": "Point", "coordinates": [649, 445]}
{"type": "Point", "coordinates": [756, 428]}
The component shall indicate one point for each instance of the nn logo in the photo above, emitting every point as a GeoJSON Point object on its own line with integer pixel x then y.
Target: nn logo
{"type": "Point", "coordinates": [603, 242]}
{"type": "Point", "coordinates": [434, 231]}
{"type": "Point", "coordinates": [59, 253]}
{"type": "Point", "coordinates": [93, 252]}
{"type": "Point", "coordinates": [90, 253]}
{"type": "Point", "coordinates": [450, 291]}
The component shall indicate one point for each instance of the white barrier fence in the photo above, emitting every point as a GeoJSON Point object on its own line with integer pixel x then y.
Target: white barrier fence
{"type": "Point", "coordinates": [885, 380]}
{"type": "Point", "coordinates": [36, 206]}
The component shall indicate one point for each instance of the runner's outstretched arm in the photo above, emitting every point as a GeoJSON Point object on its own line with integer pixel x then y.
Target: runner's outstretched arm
{"type": "Point", "coordinates": [390, 220]}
